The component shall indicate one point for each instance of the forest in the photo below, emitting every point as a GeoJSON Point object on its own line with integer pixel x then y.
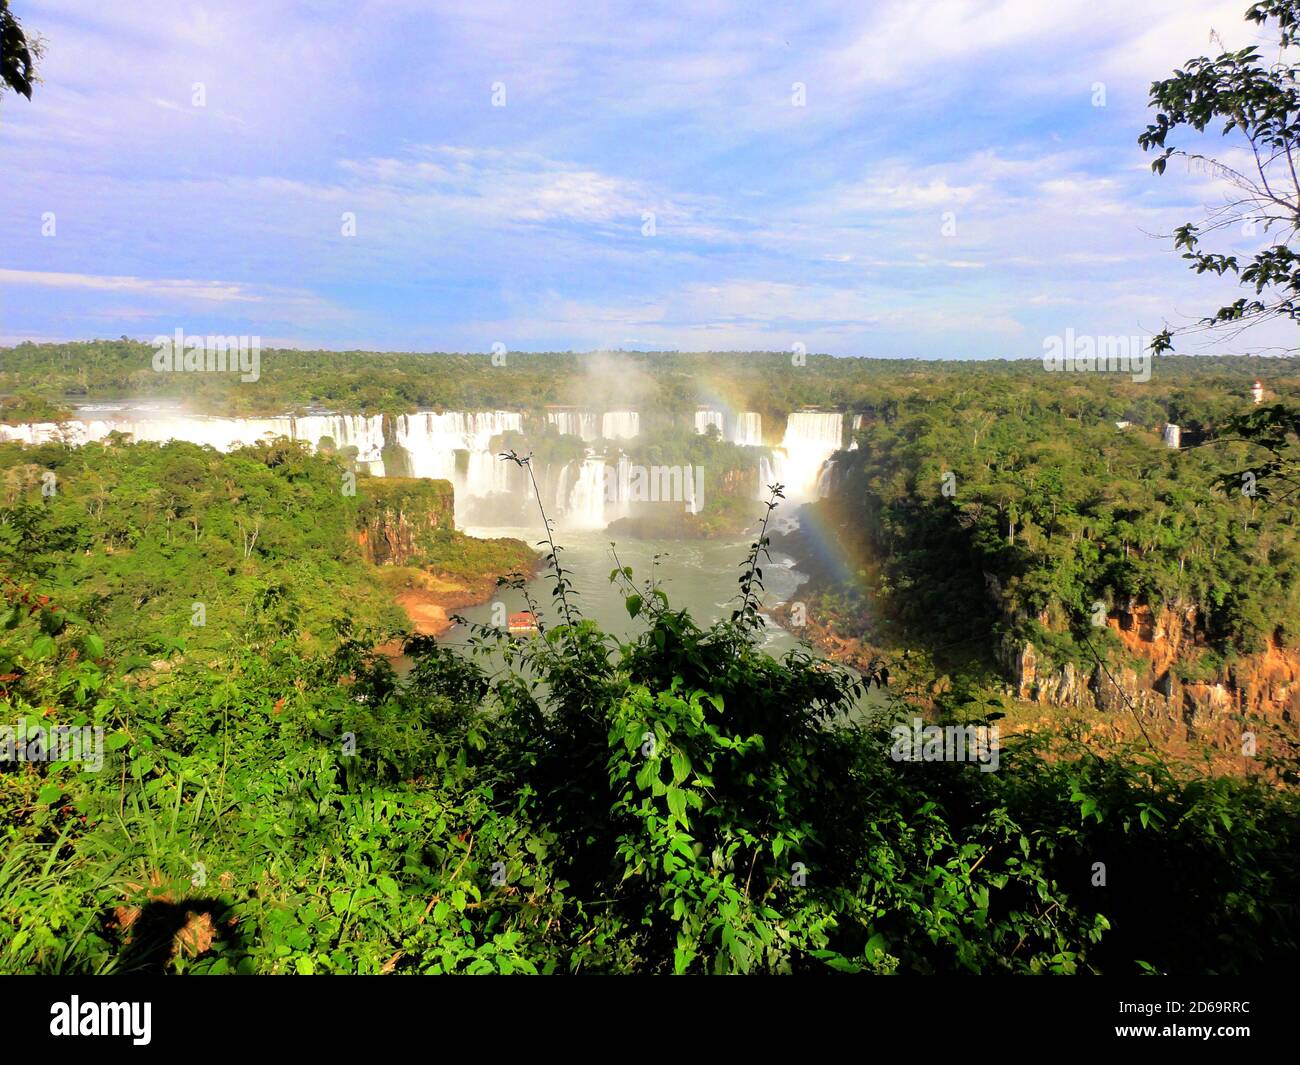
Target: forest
{"type": "Point", "coordinates": [274, 797]}
{"type": "Point", "coordinates": [1063, 508]}
{"type": "Point", "coordinates": [39, 380]}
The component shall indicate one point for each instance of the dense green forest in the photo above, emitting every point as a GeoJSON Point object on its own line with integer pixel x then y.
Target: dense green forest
{"type": "Point", "coordinates": [1185, 390]}
{"type": "Point", "coordinates": [273, 798]}
{"type": "Point", "coordinates": [1063, 511]}
{"type": "Point", "coordinates": [129, 537]}
{"type": "Point", "coordinates": [133, 537]}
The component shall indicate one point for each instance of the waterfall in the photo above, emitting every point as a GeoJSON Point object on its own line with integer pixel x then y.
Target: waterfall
{"type": "Point", "coordinates": [745, 429]}
{"type": "Point", "coordinates": [456, 446]}
{"type": "Point", "coordinates": [811, 437]}
{"type": "Point", "coordinates": [41, 432]}
{"type": "Point", "coordinates": [593, 492]}
{"type": "Point", "coordinates": [706, 418]}
{"type": "Point", "coordinates": [748, 429]}
{"type": "Point", "coordinates": [613, 425]}
{"type": "Point", "coordinates": [574, 423]}
{"type": "Point", "coordinates": [365, 433]}
{"type": "Point", "coordinates": [826, 479]}
{"type": "Point", "coordinates": [432, 443]}
{"type": "Point", "coordinates": [620, 424]}
{"type": "Point", "coordinates": [220, 433]}
{"type": "Point", "coordinates": [487, 474]}
{"type": "Point", "coordinates": [854, 425]}
{"type": "Point", "coordinates": [621, 489]}
{"type": "Point", "coordinates": [581, 501]}
{"type": "Point", "coordinates": [693, 504]}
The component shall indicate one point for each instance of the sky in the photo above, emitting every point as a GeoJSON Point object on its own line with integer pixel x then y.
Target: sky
{"type": "Point", "coordinates": [957, 179]}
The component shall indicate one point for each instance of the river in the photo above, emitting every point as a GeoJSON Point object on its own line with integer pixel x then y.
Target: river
{"type": "Point", "coordinates": [701, 575]}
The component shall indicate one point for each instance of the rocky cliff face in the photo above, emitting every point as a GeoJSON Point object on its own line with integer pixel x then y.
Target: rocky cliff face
{"type": "Point", "coordinates": [399, 518]}
{"type": "Point", "coordinates": [1264, 685]}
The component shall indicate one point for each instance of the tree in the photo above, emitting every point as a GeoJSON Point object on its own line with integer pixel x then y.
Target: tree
{"type": "Point", "coordinates": [17, 54]}
{"type": "Point", "coordinates": [1260, 103]}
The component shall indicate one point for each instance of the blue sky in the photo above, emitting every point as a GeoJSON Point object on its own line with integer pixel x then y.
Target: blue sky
{"type": "Point", "coordinates": [774, 224]}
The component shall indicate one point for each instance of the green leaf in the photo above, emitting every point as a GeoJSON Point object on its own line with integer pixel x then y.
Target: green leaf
{"type": "Point", "coordinates": [681, 767]}
{"type": "Point", "coordinates": [677, 802]}
{"type": "Point", "coordinates": [43, 647]}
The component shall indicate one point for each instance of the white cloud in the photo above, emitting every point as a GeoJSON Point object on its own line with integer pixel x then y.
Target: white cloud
{"type": "Point", "coordinates": [206, 291]}
{"type": "Point", "coordinates": [501, 185]}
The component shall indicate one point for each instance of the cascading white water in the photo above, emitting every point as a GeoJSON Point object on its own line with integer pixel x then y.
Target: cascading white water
{"type": "Point", "coordinates": [364, 432]}
{"type": "Point", "coordinates": [593, 492]}
{"type": "Point", "coordinates": [574, 423]}
{"type": "Point", "coordinates": [704, 419]}
{"type": "Point", "coordinates": [694, 504]}
{"type": "Point", "coordinates": [455, 445]}
{"type": "Point", "coordinates": [620, 490]}
{"type": "Point", "coordinates": [745, 429]}
{"type": "Point", "coordinates": [581, 501]}
{"type": "Point", "coordinates": [748, 429]}
{"type": "Point", "coordinates": [826, 479]}
{"type": "Point", "coordinates": [811, 437]}
{"type": "Point", "coordinates": [854, 425]}
{"type": "Point", "coordinates": [620, 424]}
{"type": "Point", "coordinates": [486, 473]}
{"type": "Point", "coordinates": [431, 443]}
{"type": "Point", "coordinates": [43, 432]}
{"type": "Point", "coordinates": [220, 433]}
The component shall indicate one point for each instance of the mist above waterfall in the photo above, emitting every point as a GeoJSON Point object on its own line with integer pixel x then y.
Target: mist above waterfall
{"type": "Point", "coordinates": [610, 382]}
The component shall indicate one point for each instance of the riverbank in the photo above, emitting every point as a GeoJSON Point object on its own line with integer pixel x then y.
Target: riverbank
{"type": "Point", "coordinates": [429, 598]}
{"type": "Point", "coordinates": [466, 575]}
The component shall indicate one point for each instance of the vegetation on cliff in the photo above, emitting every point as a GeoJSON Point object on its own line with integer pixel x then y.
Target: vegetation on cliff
{"type": "Point", "coordinates": [679, 802]}
{"type": "Point", "coordinates": [1012, 530]}
{"type": "Point", "coordinates": [163, 546]}
{"type": "Point", "coordinates": [26, 407]}
{"type": "Point", "coordinates": [402, 518]}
